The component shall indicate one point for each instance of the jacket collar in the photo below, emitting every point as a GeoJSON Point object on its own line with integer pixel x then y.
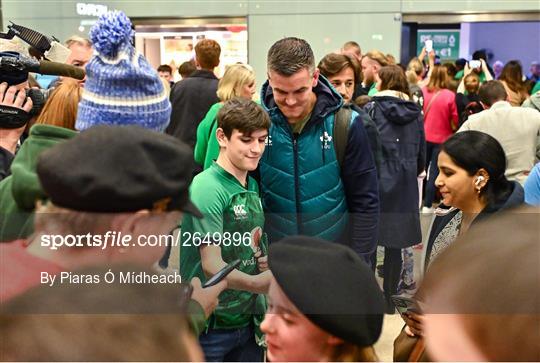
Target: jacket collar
{"type": "Point", "coordinates": [203, 73]}
{"type": "Point", "coordinates": [500, 104]}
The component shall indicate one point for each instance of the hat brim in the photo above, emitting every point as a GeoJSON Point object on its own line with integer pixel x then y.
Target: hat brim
{"type": "Point", "coordinates": [191, 209]}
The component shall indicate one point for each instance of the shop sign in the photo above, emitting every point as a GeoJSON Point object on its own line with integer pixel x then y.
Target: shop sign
{"type": "Point", "coordinates": [91, 9]}
{"type": "Point", "coordinates": [445, 42]}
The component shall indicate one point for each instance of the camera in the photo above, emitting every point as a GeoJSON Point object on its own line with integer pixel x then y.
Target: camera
{"type": "Point", "coordinates": [38, 97]}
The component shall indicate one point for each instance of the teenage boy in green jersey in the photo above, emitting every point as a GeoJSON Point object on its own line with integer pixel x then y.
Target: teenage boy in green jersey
{"type": "Point", "coordinates": [232, 228]}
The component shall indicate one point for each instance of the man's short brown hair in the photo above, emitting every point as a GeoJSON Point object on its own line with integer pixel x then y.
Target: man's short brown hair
{"type": "Point", "coordinates": [290, 55]}
{"type": "Point", "coordinates": [207, 52]}
{"type": "Point", "coordinates": [243, 115]}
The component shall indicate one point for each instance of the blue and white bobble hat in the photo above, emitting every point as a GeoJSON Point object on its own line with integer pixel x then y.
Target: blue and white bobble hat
{"type": "Point", "coordinates": [121, 88]}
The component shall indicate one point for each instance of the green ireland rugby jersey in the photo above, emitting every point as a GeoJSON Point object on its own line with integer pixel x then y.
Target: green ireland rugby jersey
{"type": "Point", "coordinates": [233, 220]}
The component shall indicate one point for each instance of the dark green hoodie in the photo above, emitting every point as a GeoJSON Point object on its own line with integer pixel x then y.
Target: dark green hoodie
{"type": "Point", "coordinates": [19, 191]}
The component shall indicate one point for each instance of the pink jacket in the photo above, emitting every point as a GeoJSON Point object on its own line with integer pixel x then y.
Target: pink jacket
{"type": "Point", "coordinates": [442, 114]}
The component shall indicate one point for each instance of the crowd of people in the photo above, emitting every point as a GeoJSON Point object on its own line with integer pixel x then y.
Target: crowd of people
{"type": "Point", "coordinates": [296, 187]}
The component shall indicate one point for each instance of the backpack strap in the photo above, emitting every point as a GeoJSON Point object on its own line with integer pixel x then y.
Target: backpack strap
{"type": "Point", "coordinates": [342, 122]}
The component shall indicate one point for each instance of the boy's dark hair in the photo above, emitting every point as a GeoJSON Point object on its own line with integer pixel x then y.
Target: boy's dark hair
{"type": "Point", "coordinates": [290, 55]}
{"type": "Point", "coordinates": [491, 92]}
{"type": "Point", "coordinates": [165, 68]}
{"type": "Point", "coordinates": [187, 68]}
{"type": "Point", "coordinates": [207, 52]}
{"type": "Point", "coordinates": [243, 115]}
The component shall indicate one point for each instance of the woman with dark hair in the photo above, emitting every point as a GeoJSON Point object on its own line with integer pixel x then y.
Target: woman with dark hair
{"type": "Point", "coordinates": [473, 188]}
{"type": "Point", "coordinates": [400, 124]}
{"type": "Point", "coordinates": [472, 183]}
{"type": "Point", "coordinates": [512, 79]}
{"type": "Point", "coordinates": [440, 122]}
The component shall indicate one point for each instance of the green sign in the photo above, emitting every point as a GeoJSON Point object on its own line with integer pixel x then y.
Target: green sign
{"type": "Point", "coordinates": [445, 42]}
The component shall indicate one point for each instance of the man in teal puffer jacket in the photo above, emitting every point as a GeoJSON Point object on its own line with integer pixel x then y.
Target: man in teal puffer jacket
{"type": "Point", "coordinates": [304, 188]}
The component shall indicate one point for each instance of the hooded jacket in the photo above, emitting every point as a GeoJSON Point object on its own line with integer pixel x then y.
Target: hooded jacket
{"type": "Point", "coordinates": [303, 189]}
{"type": "Point", "coordinates": [401, 127]}
{"type": "Point", "coordinates": [20, 190]}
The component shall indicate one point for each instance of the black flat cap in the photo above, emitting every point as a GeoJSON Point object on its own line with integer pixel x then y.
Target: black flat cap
{"type": "Point", "coordinates": [118, 169]}
{"type": "Point", "coordinates": [331, 285]}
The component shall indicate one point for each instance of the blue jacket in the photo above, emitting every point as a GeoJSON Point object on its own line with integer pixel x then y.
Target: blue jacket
{"type": "Point", "coordinates": [401, 127]}
{"type": "Point", "coordinates": [303, 189]}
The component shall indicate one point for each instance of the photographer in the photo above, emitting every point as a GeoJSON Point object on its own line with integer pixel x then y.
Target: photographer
{"type": "Point", "coordinates": [14, 115]}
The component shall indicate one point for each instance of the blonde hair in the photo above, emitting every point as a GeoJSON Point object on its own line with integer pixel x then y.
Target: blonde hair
{"type": "Point", "coordinates": [378, 57]}
{"type": "Point", "coordinates": [414, 69]}
{"type": "Point", "coordinates": [61, 107]}
{"type": "Point", "coordinates": [236, 76]}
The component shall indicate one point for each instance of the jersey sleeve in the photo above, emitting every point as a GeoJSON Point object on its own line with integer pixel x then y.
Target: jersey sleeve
{"type": "Point", "coordinates": [212, 206]}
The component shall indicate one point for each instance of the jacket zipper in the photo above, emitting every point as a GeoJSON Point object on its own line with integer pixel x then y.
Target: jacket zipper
{"type": "Point", "coordinates": [296, 183]}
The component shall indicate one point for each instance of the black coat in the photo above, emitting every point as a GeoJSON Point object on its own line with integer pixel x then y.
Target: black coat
{"type": "Point", "coordinates": [191, 99]}
{"type": "Point", "coordinates": [401, 129]}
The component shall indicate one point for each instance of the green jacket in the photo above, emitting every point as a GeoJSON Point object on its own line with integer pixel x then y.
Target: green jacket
{"type": "Point", "coordinates": [207, 147]}
{"type": "Point", "coordinates": [20, 190]}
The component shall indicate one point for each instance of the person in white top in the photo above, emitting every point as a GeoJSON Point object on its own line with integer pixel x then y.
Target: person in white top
{"type": "Point", "coordinates": [516, 128]}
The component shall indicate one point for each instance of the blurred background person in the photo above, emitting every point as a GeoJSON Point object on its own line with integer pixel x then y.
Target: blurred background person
{"type": "Point", "coordinates": [415, 73]}
{"type": "Point", "coordinates": [467, 99]}
{"type": "Point", "coordinates": [512, 79]}
{"type": "Point", "coordinates": [237, 81]}
{"type": "Point", "coordinates": [497, 69]}
{"type": "Point", "coordinates": [532, 186]}
{"type": "Point", "coordinates": [352, 48]}
{"type": "Point", "coordinates": [481, 293]}
{"type": "Point", "coordinates": [372, 61]}
{"type": "Point", "coordinates": [451, 71]}
{"type": "Point", "coordinates": [165, 72]}
{"type": "Point", "coordinates": [192, 98]}
{"type": "Point", "coordinates": [440, 122]}
{"type": "Point", "coordinates": [95, 323]}
{"type": "Point", "coordinates": [186, 69]}
{"type": "Point", "coordinates": [534, 72]}
{"type": "Point", "coordinates": [400, 124]}
{"type": "Point", "coordinates": [515, 128]}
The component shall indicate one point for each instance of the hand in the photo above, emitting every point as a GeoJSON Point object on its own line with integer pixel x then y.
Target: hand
{"type": "Point", "coordinates": [483, 65]}
{"type": "Point", "coordinates": [262, 261]}
{"type": "Point", "coordinates": [414, 323]}
{"type": "Point", "coordinates": [208, 297]}
{"type": "Point", "coordinates": [13, 98]}
{"type": "Point", "coordinates": [422, 54]}
{"type": "Point", "coordinates": [9, 97]}
{"type": "Point", "coordinates": [466, 70]}
{"type": "Point", "coordinates": [431, 57]}
{"type": "Point", "coordinates": [261, 282]}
